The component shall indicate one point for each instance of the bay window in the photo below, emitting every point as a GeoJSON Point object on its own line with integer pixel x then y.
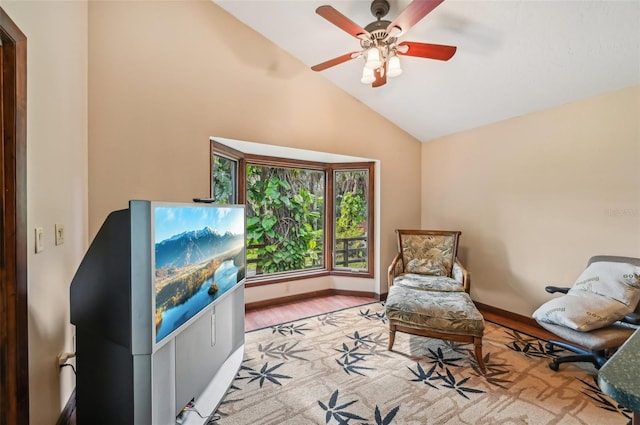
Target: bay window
{"type": "Point", "coordinates": [304, 218]}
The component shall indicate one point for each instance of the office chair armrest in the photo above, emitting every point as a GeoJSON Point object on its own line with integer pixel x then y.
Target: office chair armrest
{"type": "Point", "coordinates": [554, 289]}
{"type": "Point", "coordinates": [633, 318]}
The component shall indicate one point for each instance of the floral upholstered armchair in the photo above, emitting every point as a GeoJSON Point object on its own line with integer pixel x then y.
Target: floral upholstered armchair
{"type": "Point", "coordinates": [429, 291]}
{"type": "Point", "coordinates": [427, 259]}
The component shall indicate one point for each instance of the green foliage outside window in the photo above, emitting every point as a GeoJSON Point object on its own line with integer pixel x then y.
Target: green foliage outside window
{"type": "Point", "coordinates": [284, 218]}
{"type": "Point", "coordinates": [223, 180]}
{"type": "Point", "coordinates": [352, 217]}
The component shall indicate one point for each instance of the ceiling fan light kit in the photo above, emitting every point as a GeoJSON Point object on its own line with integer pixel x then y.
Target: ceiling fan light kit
{"type": "Point", "coordinates": [378, 40]}
{"type": "Point", "coordinates": [393, 66]}
{"type": "Point", "coordinates": [367, 76]}
{"type": "Point", "coordinates": [374, 58]}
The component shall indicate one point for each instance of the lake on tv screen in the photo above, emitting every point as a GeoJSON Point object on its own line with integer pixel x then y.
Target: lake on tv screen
{"type": "Point", "coordinates": [225, 277]}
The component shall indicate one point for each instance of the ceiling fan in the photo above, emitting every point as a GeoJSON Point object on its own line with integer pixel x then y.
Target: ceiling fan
{"type": "Point", "coordinates": [379, 40]}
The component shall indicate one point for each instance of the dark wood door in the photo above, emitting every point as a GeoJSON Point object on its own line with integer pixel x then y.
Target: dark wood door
{"type": "Point", "coordinates": [14, 373]}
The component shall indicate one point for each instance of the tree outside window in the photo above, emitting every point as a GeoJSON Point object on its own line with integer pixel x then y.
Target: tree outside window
{"type": "Point", "coordinates": [285, 219]}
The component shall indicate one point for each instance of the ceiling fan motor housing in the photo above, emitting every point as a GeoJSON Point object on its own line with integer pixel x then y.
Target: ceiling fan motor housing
{"type": "Point", "coordinates": [379, 8]}
{"type": "Point", "coordinates": [378, 28]}
{"type": "Point", "coordinates": [379, 37]}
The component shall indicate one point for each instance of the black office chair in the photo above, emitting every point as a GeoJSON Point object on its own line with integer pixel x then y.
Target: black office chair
{"type": "Point", "coordinates": [596, 345]}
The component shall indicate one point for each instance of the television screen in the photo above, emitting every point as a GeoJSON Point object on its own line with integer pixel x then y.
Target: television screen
{"type": "Point", "coordinates": [199, 255]}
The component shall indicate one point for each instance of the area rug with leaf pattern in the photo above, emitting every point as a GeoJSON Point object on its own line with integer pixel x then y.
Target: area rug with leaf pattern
{"type": "Point", "coordinates": [335, 369]}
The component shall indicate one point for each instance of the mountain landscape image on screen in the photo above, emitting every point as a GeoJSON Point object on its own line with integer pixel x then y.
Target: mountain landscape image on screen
{"type": "Point", "coordinates": [192, 269]}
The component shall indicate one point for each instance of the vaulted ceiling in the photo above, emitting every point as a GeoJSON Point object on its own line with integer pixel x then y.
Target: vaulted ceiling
{"type": "Point", "coordinates": [513, 57]}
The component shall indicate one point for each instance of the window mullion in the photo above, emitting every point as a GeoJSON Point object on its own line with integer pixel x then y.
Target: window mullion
{"type": "Point", "coordinates": [330, 220]}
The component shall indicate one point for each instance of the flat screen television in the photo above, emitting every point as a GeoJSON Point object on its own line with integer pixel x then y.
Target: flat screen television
{"type": "Point", "coordinates": [158, 308]}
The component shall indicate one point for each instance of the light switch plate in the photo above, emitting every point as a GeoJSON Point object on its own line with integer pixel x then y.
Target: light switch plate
{"type": "Point", "coordinates": [59, 234]}
{"type": "Point", "coordinates": [39, 239]}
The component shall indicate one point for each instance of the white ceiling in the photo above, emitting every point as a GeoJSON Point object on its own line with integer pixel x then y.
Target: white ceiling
{"type": "Point", "coordinates": [514, 56]}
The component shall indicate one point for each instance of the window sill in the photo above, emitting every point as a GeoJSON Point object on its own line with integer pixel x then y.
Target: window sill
{"type": "Point", "coordinates": [294, 276]}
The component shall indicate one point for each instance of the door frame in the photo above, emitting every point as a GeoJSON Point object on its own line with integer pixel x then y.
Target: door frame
{"type": "Point", "coordinates": [14, 352]}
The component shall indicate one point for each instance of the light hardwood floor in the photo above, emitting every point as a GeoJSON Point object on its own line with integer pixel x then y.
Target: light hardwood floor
{"type": "Point", "coordinates": [272, 315]}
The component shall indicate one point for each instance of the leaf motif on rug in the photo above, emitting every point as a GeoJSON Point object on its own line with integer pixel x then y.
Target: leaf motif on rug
{"type": "Point", "coordinates": [341, 416]}
{"type": "Point", "coordinates": [331, 319]}
{"type": "Point", "coordinates": [593, 391]}
{"type": "Point", "coordinates": [378, 345]}
{"type": "Point", "coordinates": [281, 351]}
{"type": "Point", "coordinates": [367, 314]}
{"type": "Point", "coordinates": [387, 419]}
{"type": "Point", "coordinates": [531, 346]}
{"type": "Point", "coordinates": [334, 368]}
{"type": "Point", "coordinates": [447, 380]}
{"type": "Point", "coordinates": [440, 360]}
{"type": "Point", "coordinates": [459, 385]}
{"type": "Point", "coordinates": [351, 357]}
{"type": "Point", "coordinates": [290, 329]}
{"type": "Point", "coordinates": [266, 373]}
{"type": "Point", "coordinates": [364, 340]}
{"type": "Point", "coordinates": [425, 376]}
{"type": "Point", "coordinates": [495, 369]}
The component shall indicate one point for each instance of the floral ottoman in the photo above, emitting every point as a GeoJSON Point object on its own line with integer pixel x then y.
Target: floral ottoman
{"type": "Point", "coordinates": [443, 315]}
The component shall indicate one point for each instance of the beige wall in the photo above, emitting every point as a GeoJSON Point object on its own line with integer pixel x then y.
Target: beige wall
{"type": "Point", "coordinates": [56, 186]}
{"type": "Point", "coordinates": [531, 195]}
{"type": "Point", "coordinates": [165, 76]}
{"type": "Point", "coordinates": [536, 196]}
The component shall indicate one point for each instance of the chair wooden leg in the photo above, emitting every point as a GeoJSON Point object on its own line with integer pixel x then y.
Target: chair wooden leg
{"type": "Point", "coordinates": [477, 341]}
{"type": "Point", "coordinates": [392, 336]}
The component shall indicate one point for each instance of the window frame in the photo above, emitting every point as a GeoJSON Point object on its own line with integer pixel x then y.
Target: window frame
{"type": "Point", "coordinates": [218, 149]}
{"type": "Point", "coordinates": [234, 178]}
{"type": "Point", "coordinates": [369, 166]}
{"type": "Point", "coordinates": [243, 159]}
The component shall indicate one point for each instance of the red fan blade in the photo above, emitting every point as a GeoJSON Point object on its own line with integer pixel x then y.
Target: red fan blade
{"type": "Point", "coordinates": [381, 76]}
{"type": "Point", "coordinates": [335, 61]}
{"type": "Point", "coordinates": [425, 50]}
{"type": "Point", "coordinates": [417, 10]}
{"type": "Point", "coordinates": [342, 22]}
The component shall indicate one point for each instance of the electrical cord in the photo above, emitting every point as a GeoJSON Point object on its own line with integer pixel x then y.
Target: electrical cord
{"type": "Point", "coordinates": [191, 407]}
{"type": "Point", "coordinates": [71, 366]}
{"type": "Point", "coordinates": [213, 417]}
